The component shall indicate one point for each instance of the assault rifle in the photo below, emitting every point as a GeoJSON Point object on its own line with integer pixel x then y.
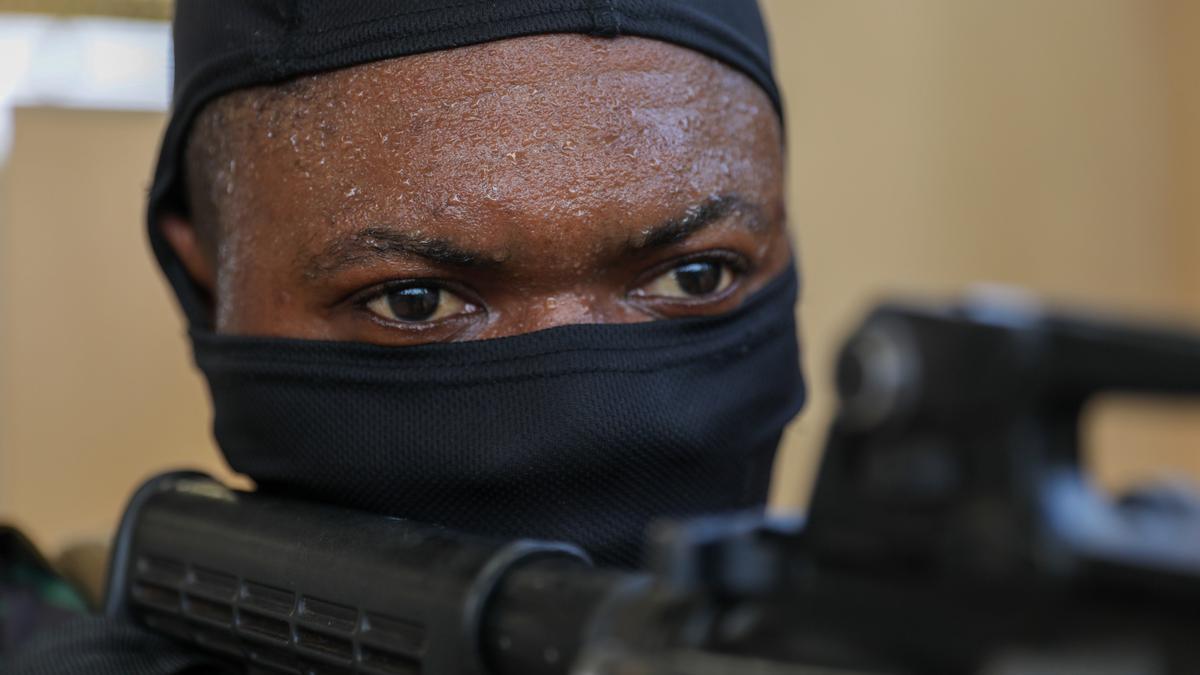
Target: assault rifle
{"type": "Point", "coordinates": [952, 529]}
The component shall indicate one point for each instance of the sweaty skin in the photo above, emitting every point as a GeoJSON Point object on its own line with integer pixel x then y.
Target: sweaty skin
{"type": "Point", "coordinates": [485, 191]}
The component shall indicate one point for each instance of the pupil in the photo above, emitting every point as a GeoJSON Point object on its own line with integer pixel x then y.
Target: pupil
{"type": "Point", "coordinates": [415, 303]}
{"type": "Point", "coordinates": [698, 278]}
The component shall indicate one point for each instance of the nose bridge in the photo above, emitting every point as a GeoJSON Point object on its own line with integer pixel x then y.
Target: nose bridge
{"type": "Point", "coordinates": [563, 308]}
{"type": "Point", "coordinates": [539, 309]}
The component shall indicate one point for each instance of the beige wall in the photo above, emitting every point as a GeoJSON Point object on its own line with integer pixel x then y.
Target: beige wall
{"type": "Point", "coordinates": [934, 142]}
{"type": "Point", "coordinates": [939, 142]}
{"type": "Point", "coordinates": [95, 386]}
{"type": "Point", "coordinates": [1184, 19]}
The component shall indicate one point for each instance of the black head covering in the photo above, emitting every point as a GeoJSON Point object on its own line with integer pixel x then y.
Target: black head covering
{"type": "Point", "coordinates": [223, 45]}
{"type": "Point", "coordinates": [577, 433]}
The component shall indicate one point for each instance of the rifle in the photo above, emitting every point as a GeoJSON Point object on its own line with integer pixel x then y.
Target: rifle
{"type": "Point", "coordinates": [952, 529]}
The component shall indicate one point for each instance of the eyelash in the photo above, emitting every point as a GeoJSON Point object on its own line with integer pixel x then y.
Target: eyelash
{"type": "Point", "coordinates": [738, 264]}
{"type": "Point", "coordinates": [361, 299]}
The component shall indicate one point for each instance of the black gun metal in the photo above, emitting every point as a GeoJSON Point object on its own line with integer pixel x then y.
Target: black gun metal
{"type": "Point", "coordinates": [953, 528]}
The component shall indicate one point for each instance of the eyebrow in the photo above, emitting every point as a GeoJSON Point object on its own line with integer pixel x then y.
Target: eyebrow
{"type": "Point", "coordinates": [385, 243]}
{"type": "Point", "coordinates": [382, 243]}
{"type": "Point", "coordinates": [695, 219]}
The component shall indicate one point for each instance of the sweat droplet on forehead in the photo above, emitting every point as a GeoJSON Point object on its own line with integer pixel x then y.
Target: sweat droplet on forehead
{"type": "Point", "coordinates": [546, 152]}
{"type": "Point", "coordinates": [628, 107]}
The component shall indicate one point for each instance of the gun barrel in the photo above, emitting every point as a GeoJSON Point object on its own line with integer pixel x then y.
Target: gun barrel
{"type": "Point", "coordinates": [294, 587]}
{"type": "Point", "coordinates": [541, 614]}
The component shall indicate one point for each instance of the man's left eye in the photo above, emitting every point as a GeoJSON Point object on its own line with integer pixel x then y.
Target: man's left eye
{"type": "Point", "coordinates": [695, 279]}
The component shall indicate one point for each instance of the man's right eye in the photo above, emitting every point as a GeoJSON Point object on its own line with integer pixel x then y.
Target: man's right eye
{"type": "Point", "coordinates": [418, 303]}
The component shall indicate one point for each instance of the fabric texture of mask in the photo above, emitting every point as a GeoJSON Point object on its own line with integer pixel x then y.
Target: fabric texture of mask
{"type": "Point", "coordinates": [577, 433]}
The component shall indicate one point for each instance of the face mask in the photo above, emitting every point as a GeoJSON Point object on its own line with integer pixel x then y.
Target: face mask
{"type": "Point", "coordinates": [578, 433]}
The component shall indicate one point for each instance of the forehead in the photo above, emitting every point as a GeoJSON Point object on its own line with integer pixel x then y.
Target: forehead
{"type": "Point", "coordinates": [560, 129]}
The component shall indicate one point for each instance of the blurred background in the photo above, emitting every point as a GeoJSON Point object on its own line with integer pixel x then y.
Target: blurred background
{"type": "Point", "coordinates": [1050, 144]}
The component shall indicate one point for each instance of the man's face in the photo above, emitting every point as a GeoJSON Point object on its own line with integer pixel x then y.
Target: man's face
{"type": "Point", "coordinates": [490, 191]}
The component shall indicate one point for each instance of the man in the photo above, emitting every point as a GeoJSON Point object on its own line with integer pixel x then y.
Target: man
{"type": "Point", "coordinates": [516, 268]}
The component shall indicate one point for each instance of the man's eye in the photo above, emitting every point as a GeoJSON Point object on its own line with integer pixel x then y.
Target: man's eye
{"type": "Point", "coordinates": [414, 304]}
{"type": "Point", "coordinates": [691, 280]}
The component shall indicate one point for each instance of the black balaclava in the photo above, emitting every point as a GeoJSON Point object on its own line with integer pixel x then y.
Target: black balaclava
{"type": "Point", "coordinates": [579, 433]}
